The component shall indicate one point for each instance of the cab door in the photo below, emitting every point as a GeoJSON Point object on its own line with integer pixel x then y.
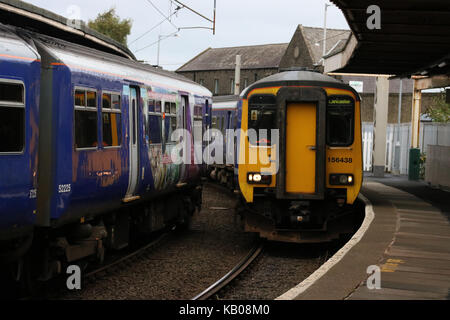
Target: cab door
{"type": "Point", "coordinates": [301, 148]}
{"type": "Point", "coordinates": [133, 142]}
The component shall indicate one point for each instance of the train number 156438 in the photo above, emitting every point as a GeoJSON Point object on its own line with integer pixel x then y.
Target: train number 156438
{"type": "Point", "coordinates": [339, 160]}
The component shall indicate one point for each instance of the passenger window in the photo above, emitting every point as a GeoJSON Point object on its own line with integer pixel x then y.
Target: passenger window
{"type": "Point", "coordinates": [85, 119]}
{"type": "Point", "coordinates": [11, 92]}
{"type": "Point", "coordinates": [12, 117]}
{"type": "Point", "coordinates": [340, 121]}
{"type": "Point", "coordinates": [111, 120]}
{"type": "Point", "coordinates": [155, 122]}
{"type": "Point", "coordinates": [170, 122]}
{"type": "Point", "coordinates": [262, 116]}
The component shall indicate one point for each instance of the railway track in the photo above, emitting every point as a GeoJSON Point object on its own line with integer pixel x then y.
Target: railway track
{"type": "Point", "coordinates": [128, 257]}
{"type": "Point", "coordinates": [233, 274]}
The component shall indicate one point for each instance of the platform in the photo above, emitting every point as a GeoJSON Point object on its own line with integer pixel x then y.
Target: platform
{"type": "Point", "coordinates": [408, 238]}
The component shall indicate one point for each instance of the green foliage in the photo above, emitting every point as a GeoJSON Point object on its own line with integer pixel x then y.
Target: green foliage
{"type": "Point", "coordinates": [439, 111]}
{"type": "Point", "coordinates": [110, 24]}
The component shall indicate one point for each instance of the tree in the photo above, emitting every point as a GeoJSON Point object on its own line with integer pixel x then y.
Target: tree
{"type": "Point", "coordinates": [110, 24]}
{"type": "Point", "coordinates": [439, 111]}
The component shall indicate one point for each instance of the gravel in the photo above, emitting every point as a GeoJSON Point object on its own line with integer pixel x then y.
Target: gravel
{"type": "Point", "coordinates": [185, 264]}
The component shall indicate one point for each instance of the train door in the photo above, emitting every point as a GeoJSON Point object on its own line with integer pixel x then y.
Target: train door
{"type": "Point", "coordinates": [134, 141]}
{"type": "Point", "coordinates": [301, 148]}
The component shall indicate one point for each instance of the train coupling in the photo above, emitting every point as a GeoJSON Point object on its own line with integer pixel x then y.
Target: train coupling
{"type": "Point", "coordinates": [300, 212]}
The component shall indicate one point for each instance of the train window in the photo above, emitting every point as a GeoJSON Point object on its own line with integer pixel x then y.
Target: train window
{"type": "Point", "coordinates": [262, 118]}
{"type": "Point", "coordinates": [85, 119]}
{"type": "Point", "coordinates": [157, 106]}
{"type": "Point", "coordinates": [170, 125]}
{"type": "Point", "coordinates": [85, 129]}
{"type": "Point", "coordinates": [155, 122]}
{"type": "Point", "coordinates": [340, 121]}
{"type": "Point", "coordinates": [214, 122]}
{"type": "Point", "coordinates": [115, 101]}
{"type": "Point", "coordinates": [197, 112]}
{"type": "Point", "coordinates": [111, 120]}
{"type": "Point", "coordinates": [151, 105]}
{"type": "Point", "coordinates": [12, 117]}
{"type": "Point", "coordinates": [12, 129]}
{"type": "Point", "coordinates": [91, 99]}
{"type": "Point", "coordinates": [11, 92]}
{"type": "Point", "coordinates": [173, 108]}
{"type": "Point", "coordinates": [80, 98]}
{"type": "Point", "coordinates": [167, 107]}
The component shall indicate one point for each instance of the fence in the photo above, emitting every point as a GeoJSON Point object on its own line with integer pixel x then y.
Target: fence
{"type": "Point", "coordinates": [430, 134]}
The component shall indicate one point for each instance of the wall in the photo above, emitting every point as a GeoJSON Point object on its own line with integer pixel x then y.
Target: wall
{"type": "Point", "coordinates": [368, 103]}
{"type": "Point", "coordinates": [430, 134]}
{"type": "Point", "coordinates": [225, 76]}
{"type": "Point", "coordinates": [437, 169]}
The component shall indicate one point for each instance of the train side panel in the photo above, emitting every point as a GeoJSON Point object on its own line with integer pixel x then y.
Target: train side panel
{"type": "Point", "coordinates": [19, 132]}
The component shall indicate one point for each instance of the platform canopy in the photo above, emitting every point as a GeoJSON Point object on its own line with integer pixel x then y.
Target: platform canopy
{"type": "Point", "coordinates": [414, 39]}
{"type": "Point", "coordinates": [24, 15]}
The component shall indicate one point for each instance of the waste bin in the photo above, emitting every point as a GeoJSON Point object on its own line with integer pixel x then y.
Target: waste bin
{"type": "Point", "coordinates": [414, 164]}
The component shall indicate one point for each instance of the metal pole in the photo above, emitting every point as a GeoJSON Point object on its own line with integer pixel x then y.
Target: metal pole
{"type": "Point", "coordinates": [159, 42]}
{"type": "Point", "coordinates": [237, 76]}
{"type": "Point", "coordinates": [325, 31]}
{"type": "Point", "coordinates": [397, 148]}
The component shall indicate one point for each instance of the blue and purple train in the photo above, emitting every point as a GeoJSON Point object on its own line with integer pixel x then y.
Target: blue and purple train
{"type": "Point", "coordinates": [85, 143]}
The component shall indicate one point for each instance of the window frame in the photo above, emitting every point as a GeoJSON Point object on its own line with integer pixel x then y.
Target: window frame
{"type": "Point", "coordinates": [353, 105]}
{"type": "Point", "coordinates": [85, 109]}
{"type": "Point", "coordinates": [169, 115]}
{"type": "Point", "coordinates": [112, 110]}
{"type": "Point", "coordinates": [273, 107]}
{"type": "Point", "coordinates": [18, 105]}
{"type": "Point", "coordinates": [216, 86]}
{"type": "Point", "coordinates": [157, 114]}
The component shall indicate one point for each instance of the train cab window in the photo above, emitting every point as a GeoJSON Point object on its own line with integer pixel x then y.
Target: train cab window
{"type": "Point", "coordinates": [262, 116]}
{"type": "Point", "coordinates": [170, 121]}
{"type": "Point", "coordinates": [340, 121]}
{"type": "Point", "coordinates": [12, 117]}
{"type": "Point", "coordinates": [111, 120]}
{"type": "Point", "coordinates": [155, 122]}
{"type": "Point", "coordinates": [85, 119]}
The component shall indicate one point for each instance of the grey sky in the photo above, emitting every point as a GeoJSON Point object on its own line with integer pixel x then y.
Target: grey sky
{"type": "Point", "coordinates": [239, 23]}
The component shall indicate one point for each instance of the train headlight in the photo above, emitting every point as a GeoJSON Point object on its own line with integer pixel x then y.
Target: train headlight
{"type": "Point", "coordinates": [258, 178]}
{"type": "Point", "coordinates": [341, 179]}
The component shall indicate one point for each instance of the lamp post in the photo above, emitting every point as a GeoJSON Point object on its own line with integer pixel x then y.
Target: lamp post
{"type": "Point", "coordinates": [160, 37]}
{"type": "Point", "coordinates": [325, 31]}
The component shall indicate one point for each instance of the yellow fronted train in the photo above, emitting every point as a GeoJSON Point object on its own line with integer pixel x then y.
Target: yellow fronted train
{"type": "Point", "coordinates": [296, 145]}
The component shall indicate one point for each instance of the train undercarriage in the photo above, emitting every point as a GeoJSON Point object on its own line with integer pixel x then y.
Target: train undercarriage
{"type": "Point", "coordinates": [47, 252]}
{"type": "Point", "coordinates": [299, 221]}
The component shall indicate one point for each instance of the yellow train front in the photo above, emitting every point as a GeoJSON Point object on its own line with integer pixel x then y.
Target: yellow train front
{"type": "Point", "coordinates": [299, 157]}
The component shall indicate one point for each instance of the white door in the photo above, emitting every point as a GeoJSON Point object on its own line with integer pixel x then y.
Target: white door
{"type": "Point", "coordinates": [134, 139]}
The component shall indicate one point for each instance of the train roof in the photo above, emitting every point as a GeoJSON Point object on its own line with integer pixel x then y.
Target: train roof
{"type": "Point", "coordinates": [25, 15]}
{"type": "Point", "coordinates": [302, 78]}
{"type": "Point", "coordinates": [84, 59]}
{"type": "Point", "coordinates": [14, 47]}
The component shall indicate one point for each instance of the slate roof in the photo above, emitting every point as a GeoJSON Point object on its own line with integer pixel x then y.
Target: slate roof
{"type": "Point", "coordinates": [336, 39]}
{"type": "Point", "coordinates": [263, 56]}
{"type": "Point", "coordinates": [252, 57]}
